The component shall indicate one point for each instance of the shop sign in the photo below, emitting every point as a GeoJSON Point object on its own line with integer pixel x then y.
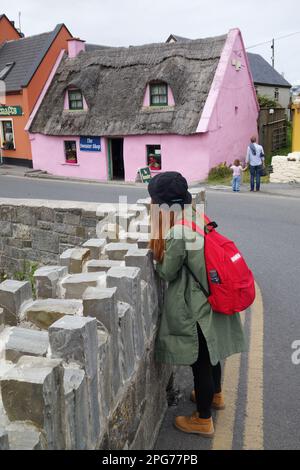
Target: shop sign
{"type": "Point", "coordinates": [145, 174]}
{"type": "Point", "coordinates": [11, 111]}
{"type": "Point", "coordinates": [90, 144]}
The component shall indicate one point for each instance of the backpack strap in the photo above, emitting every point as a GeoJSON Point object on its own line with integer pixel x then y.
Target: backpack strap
{"type": "Point", "coordinates": [195, 228]}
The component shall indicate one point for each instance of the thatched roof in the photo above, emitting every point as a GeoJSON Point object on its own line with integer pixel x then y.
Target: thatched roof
{"type": "Point", "coordinates": [113, 81]}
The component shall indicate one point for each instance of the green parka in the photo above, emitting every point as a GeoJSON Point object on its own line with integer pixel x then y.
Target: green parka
{"type": "Point", "coordinates": [185, 304]}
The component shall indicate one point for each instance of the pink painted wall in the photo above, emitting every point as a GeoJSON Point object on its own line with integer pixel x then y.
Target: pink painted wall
{"type": "Point", "coordinates": [48, 155]}
{"type": "Point", "coordinates": [187, 154]}
{"type": "Point", "coordinates": [231, 111]}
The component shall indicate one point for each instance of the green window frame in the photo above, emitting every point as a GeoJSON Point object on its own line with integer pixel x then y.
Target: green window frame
{"type": "Point", "coordinates": [158, 94]}
{"type": "Point", "coordinates": [70, 151]}
{"type": "Point", "coordinates": [75, 100]}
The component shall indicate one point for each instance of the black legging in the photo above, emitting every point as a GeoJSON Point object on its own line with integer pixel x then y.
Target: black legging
{"type": "Point", "coordinates": [207, 378]}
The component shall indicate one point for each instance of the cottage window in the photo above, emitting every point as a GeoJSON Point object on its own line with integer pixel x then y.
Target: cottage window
{"type": "Point", "coordinates": [7, 135]}
{"type": "Point", "coordinates": [158, 94]}
{"type": "Point", "coordinates": [154, 157]}
{"type": "Point", "coordinates": [75, 99]}
{"type": "Point", "coordinates": [70, 151]}
{"type": "Point", "coordinates": [276, 94]}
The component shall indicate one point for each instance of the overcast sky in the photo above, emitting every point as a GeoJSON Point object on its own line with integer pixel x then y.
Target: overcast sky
{"type": "Point", "coordinates": [131, 22]}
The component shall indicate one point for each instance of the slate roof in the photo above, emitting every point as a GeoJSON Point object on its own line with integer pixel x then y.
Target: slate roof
{"type": "Point", "coordinates": [113, 81]}
{"type": "Point", "coordinates": [264, 74]}
{"type": "Point", "coordinates": [27, 53]}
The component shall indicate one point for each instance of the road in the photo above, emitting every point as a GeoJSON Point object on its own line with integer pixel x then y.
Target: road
{"type": "Point", "coordinates": [262, 386]}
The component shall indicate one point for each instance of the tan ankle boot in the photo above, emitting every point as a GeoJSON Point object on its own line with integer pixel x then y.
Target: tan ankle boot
{"type": "Point", "coordinates": [195, 425]}
{"type": "Point", "coordinates": [218, 402]}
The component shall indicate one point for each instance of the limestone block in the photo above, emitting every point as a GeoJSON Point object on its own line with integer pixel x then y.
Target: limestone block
{"type": "Point", "coordinates": [101, 265]}
{"type": "Point", "coordinates": [12, 295]}
{"type": "Point", "coordinates": [129, 237]}
{"type": "Point", "coordinates": [74, 259]}
{"type": "Point", "coordinates": [1, 319]}
{"type": "Point", "coordinates": [139, 210]}
{"type": "Point", "coordinates": [143, 259]}
{"type": "Point", "coordinates": [76, 284]}
{"type": "Point", "coordinates": [43, 313]}
{"type": "Point", "coordinates": [104, 210]}
{"type": "Point", "coordinates": [143, 240]}
{"type": "Point", "coordinates": [145, 202]}
{"type": "Point", "coordinates": [46, 280]}
{"type": "Point", "coordinates": [32, 391]}
{"type": "Point", "coordinates": [128, 283]}
{"type": "Point", "coordinates": [105, 367]}
{"type": "Point", "coordinates": [146, 309]}
{"type": "Point", "coordinates": [102, 304]}
{"type": "Point", "coordinates": [123, 219]}
{"type": "Point", "coordinates": [144, 226]}
{"type": "Point", "coordinates": [4, 445]}
{"type": "Point", "coordinates": [25, 436]}
{"type": "Point", "coordinates": [95, 245]}
{"type": "Point", "coordinates": [25, 342]}
{"type": "Point", "coordinates": [117, 251]}
{"type": "Point", "coordinates": [76, 409]}
{"type": "Point", "coordinates": [74, 339]}
{"type": "Point", "coordinates": [126, 347]}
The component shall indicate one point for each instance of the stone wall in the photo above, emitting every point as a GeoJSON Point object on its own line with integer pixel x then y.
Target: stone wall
{"type": "Point", "coordinates": [39, 230]}
{"type": "Point", "coordinates": [77, 368]}
{"type": "Point", "coordinates": [286, 169]}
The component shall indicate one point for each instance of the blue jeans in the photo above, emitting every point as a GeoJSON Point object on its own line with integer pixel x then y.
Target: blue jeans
{"type": "Point", "coordinates": [236, 181]}
{"type": "Point", "coordinates": [255, 173]}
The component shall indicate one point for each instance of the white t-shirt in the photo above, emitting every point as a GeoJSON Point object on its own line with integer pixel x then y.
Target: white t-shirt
{"type": "Point", "coordinates": [236, 170]}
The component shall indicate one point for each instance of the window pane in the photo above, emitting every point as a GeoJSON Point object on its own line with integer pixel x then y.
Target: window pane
{"type": "Point", "coordinates": [154, 157]}
{"type": "Point", "coordinates": [8, 136]}
{"type": "Point", "coordinates": [155, 90]}
{"type": "Point", "coordinates": [155, 99]}
{"type": "Point", "coordinates": [70, 151]}
{"type": "Point", "coordinates": [162, 90]}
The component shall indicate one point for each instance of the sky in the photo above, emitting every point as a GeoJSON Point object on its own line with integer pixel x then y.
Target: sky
{"type": "Point", "coordinates": [133, 22]}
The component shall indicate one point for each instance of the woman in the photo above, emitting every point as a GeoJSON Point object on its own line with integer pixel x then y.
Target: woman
{"type": "Point", "coordinates": [190, 333]}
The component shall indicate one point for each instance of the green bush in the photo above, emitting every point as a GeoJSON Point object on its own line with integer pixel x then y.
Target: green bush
{"type": "Point", "coordinates": [221, 171]}
{"type": "Point", "coordinates": [267, 102]}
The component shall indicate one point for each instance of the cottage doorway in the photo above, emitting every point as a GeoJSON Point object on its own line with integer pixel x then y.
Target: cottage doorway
{"type": "Point", "coordinates": [116, 158]}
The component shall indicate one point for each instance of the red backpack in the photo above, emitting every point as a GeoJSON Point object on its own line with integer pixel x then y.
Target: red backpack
{"type": "Point", "coordinates": [231, 283]}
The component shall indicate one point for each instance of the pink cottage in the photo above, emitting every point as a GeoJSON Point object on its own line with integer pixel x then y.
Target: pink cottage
{"type": "Point", "coordinates": [105, 112]}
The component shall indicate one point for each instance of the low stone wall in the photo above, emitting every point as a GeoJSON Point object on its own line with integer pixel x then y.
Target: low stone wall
{"type": "Point", "coordinates": [39, 230]}
{"type": "Point", "coordinates": [286, 169]}
{"type": "Point", "coordinates": [77, 368]}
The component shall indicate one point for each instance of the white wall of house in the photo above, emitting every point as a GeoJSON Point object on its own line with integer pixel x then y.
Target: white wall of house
{"type": "Point", "coordinates": [284, 93]}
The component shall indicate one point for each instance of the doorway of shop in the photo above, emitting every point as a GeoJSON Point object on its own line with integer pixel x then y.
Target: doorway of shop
{"type": "Point", "coordinates": [116, 160]}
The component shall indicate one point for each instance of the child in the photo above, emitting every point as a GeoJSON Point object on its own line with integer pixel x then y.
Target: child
{"type": "Point", "coordinates": [236, 180]}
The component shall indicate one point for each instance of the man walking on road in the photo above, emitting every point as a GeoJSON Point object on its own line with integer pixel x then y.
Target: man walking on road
{"type": "Point", "coordinates": [256, 160]}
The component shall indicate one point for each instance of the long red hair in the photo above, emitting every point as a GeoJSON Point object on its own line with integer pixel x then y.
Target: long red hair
{"type": "Point", "coordinates": [161, 221]}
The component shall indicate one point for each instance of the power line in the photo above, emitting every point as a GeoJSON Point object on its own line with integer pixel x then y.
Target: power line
{"type": "Point", "coordinates": [271, 40]}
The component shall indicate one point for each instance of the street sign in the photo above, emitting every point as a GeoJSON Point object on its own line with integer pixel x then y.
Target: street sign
{"type": "Point", "coordinates": [11, 111]}
{"type": "Point", "coordinates": [90, 144]}
{"type": "Point", "coordinates": [145, 174]}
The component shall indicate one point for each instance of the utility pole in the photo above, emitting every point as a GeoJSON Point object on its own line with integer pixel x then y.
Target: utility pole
{"type": "Point", "coordinates": [20, 21]}
{"type": "Point", "coordinates": [273, 52]}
